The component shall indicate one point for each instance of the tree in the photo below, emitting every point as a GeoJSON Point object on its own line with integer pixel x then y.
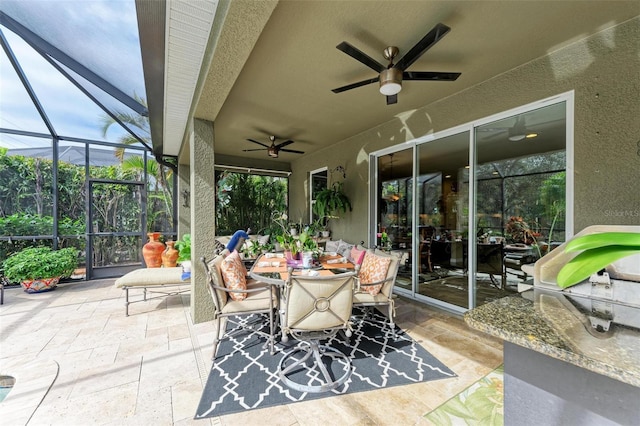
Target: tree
{"type": "Point", "coordinates": [246, 201]}
{"type": "Point", "coordinates": [160, 178]}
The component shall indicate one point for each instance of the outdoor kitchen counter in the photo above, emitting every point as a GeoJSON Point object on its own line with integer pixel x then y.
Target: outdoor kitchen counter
{"type": "Point", "coordinates": [550, 325]}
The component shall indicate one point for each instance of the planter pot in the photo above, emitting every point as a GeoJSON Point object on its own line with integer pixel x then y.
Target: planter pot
{"type": "Point", "coordinates": [170, 256]}
{"type": "Point", "coordinates": [40, 286]}
{"type": "Point", "coordinates": [290, 256]}
{"type": "Point", "coordinates": [186, 266]}
{"type": "Point", "coordinates": [152, 251]}
{"type": "Point", "coordinates": [325, 234]}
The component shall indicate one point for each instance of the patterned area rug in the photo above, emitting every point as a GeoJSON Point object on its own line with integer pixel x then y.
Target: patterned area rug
{"type": "Point", "coordinates": [482, 403]}
{"type": "Point", "coordinates": [244, 375]}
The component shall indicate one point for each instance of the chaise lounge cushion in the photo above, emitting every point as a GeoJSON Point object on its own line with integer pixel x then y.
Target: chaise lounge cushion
{"type": "Point", "coordinates": [147, 277]}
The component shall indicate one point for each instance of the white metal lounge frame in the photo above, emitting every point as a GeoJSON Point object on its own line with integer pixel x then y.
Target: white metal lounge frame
{"type": "Point", "coordinates": [162, 281]}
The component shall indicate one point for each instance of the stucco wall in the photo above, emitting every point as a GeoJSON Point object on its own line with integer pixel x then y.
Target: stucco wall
{"type": "Point", "coordinates": [604, 72]}
{"type": "Point", "coordinates": [202, 219]}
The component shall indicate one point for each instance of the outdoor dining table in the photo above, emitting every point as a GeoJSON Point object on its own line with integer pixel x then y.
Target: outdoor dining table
{"type": "Point", "coordinates": [273, 268]}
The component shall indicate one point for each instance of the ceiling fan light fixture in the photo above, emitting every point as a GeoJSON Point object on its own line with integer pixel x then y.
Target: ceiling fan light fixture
{"type": "Point", "coordinates": [390, 81]}
{"type": "Point", "coordinates": [531, 135]}
{"type": "Point", "coordinates": [273, 152]}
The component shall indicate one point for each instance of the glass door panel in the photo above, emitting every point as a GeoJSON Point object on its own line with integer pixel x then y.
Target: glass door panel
{"type": "Point", "coordinates": [395, 211]}
{"type": "Point", "coordinates": [443, 197]}
{"type": "Point", "coordinates": [520, 196]}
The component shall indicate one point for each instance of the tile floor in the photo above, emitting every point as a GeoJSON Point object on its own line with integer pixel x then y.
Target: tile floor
{"type": "Point", "coordinates": [78, 360]}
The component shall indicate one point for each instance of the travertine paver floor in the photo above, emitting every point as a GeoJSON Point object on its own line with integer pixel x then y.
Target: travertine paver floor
{"type": "Point", "coordinates": [78, 360]}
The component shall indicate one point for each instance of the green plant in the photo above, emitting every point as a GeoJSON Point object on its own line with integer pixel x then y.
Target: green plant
{"type": "Point", "coordinates": [331, 201]}
{"type": "Point", "coordinates": [40, 262]}
{"type": "Point", "coordinates": [302, 242]}
{"type": "Point", "coordinates": [184, 248]}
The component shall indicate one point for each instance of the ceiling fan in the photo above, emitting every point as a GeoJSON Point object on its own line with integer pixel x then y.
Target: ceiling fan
{"type": "Point", "coordinates": [273, 150]}
{"type": "Point", "coordinates": [391, 76]}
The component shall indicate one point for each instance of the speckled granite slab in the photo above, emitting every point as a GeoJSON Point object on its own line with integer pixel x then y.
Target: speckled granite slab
{"type": "Point", "coordinates": [548, 323]}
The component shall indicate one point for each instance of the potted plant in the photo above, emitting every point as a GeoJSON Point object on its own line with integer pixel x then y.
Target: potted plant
{"type": "Point", "coordinates": [331, 201]}
{"type": "Point", "coordinates": [292, 244]}
{"type": "Point", "coordinates": [39, 269]}
{"type": "Point", "coordinates": [184, 252]}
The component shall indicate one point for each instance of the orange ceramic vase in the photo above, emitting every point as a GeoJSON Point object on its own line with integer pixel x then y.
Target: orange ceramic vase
{"type": "Point", "coordinates": [152, 251]}
{"type": "Point", "coordinates": [170, 256]}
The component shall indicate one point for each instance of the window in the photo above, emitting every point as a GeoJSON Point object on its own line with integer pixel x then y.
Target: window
{"type": "Point", "coordinates": [246, 201]}
{"type": "Point", "coordinates": [318, 180]}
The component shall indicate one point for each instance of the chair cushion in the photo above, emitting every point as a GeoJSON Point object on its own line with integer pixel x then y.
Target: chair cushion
{"type": "Point", "coordinates": [374, 268]}
{"type": "Point", "coordinates": [258, 301]}
{"type": "Point", "coordinates": [214, 269]}
{"type": "Point", "coordinates": [362, 297]}
{"type": "Point", "coordinates": [234, 275]}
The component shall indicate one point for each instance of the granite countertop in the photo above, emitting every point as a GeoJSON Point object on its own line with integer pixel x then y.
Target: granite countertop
{"type": "Point", "coordinates": [557, 326]}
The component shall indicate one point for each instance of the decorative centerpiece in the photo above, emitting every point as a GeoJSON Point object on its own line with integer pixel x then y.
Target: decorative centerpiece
{"type": "Point", "coordinates": [293, 245]}
{"type": "Point", "coordinates": [39, 269]}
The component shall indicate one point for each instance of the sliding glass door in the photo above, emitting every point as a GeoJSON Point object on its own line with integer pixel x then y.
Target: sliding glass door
{"type": "Point", "coordinates": [520, 177]}
{"type": "Point", "coordinates": [443, 219]}
{"type": "Point", "coordinates": [507, 172]}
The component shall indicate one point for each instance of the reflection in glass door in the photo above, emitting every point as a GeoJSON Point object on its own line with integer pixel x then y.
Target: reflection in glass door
{"type": "Point", "coordinates": [395, 211]}
{"type": "Point", "coordinates": [520, 196]}
{"type": "Point", "coordinates": [443, 219]}
{"type": "Point", "coordinates": [116, 218]}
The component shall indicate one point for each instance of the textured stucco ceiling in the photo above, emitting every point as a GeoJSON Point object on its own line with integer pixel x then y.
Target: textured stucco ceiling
{"type": "Point", "coordinates": [275, 63]}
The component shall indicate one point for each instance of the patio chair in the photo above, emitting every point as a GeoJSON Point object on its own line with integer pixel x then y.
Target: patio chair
{"type": "Point", "coordinates": [259, 299]}
{"type": "Point", "coordinates": [376, 279]}
{"type": "Point", "coordinates": [315, 309]}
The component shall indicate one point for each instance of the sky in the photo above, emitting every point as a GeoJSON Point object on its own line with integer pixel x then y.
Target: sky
{"type": "Point", "coordinates": [100, 34]}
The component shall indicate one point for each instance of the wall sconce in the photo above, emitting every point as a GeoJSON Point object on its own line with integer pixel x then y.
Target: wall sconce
{"type": "Point", "coordinates": [186, 197]}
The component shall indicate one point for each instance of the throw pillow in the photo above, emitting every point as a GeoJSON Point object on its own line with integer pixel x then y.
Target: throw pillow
{"type": "Point", "coordinates": [236, 257]}
{"type": "Point", "coordinates": [357, 256]}
{"type": "Point", "coordinates": [332, 245]}
{"type": "Point", "coordinates": [344, 249]}
{"type": "Point", "coordinates": [234, 275]}
{"type": "Point", "coordinates": [374, 268]}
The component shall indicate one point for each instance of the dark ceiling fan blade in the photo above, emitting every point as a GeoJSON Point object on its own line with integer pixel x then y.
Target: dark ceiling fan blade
{"type": "Point", "coordinates": [257, 149]}
{"type": "Point", "coordinates": [393, 99]}
{"type": "Point", "coordinates": [259, 143]}
{"type": "Point", "coordinates": [291, 150]}
{"type": "Point", "coordinates": [360, 56]}
{"type": "Point", "coordinates": [429, 75]}
{"type": "Point", "coordinates": [285, 143]}
{"type": "Point", "coordinates": [354, 85]}
{"type": "Point", "coordinates": [432, 37]}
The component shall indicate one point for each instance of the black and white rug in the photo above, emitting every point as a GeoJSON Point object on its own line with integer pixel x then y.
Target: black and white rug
{"type": "Point", "coordinates": [244, 375]}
